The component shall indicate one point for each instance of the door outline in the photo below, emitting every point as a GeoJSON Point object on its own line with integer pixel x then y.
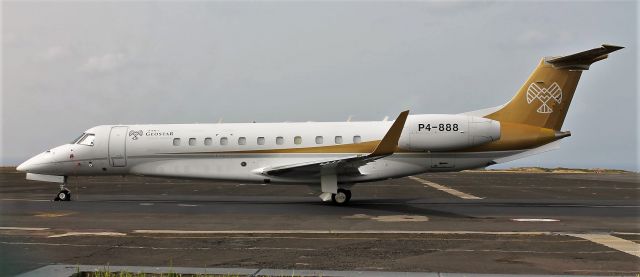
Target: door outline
{"type": "Point", "coordinates": [114, 159]}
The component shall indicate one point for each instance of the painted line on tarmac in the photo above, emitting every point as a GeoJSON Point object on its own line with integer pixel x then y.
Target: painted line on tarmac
{"type": "Point", "coordinates": [187, 205]}
{"type": "Point", "coordinates": [625, 233]}
{"type": "Point", "coordinates": [535, 220]}
{"type": "Point", "coordinates": [399, 232]}
{"type": "Point", "coordinates": [29, 200]}
{"type": "Point", "coordinates": [149, 247]}
{"type": "Point", "coordinates": [444, 188]}
{"type": "Point", "coordinates": [610, 241]}
{"type": "Point", "coordinates": [24, 228]}
{"type": "Point", "coordinates": [70, 234]}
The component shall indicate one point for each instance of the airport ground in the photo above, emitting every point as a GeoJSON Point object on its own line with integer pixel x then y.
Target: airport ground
{"type": "Point", "coordinates": [520, 223]}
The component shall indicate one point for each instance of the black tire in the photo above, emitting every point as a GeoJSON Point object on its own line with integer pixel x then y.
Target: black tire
{"type": "Point", "coordinates": [341, 198]}
{"type": "Point", "coordinates": [63, 195]}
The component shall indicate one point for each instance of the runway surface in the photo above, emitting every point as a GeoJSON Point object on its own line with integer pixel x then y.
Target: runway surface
{"type": "Point", "coordinates": [452, 222]}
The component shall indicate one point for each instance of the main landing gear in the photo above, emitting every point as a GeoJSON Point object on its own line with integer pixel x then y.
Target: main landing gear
{"type": "Point", "coordinates": [342, 197]}
{"type": "Point", "coordinates": [63, 195]}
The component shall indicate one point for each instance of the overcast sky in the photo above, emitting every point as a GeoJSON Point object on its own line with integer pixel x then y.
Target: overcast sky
{"type": "Point", "coordinates": [67, 66]}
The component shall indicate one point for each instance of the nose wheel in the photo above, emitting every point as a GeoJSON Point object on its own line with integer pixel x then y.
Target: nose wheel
{"type": "Point", "coordinates": [63, 195]}
{"type": "Point", "coordinates": [342, 197]}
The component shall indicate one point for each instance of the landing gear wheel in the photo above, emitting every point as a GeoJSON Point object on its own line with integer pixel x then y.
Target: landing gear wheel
{"type": "Point", "coordinates": [342, 197]}
{"type": "Point", "coordinates": [63, 195]}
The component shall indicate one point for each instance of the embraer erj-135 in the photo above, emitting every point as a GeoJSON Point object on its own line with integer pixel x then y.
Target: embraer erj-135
{"type": "Point", "coordinates": [330, 156]}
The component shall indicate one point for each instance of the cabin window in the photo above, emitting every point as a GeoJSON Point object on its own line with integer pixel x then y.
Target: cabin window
{"type": "Point", "coordinates": [224, 141]}
{"type": "Point", "coordinates": [338, 139]}
{"type": "Point", "coordinates": [279, 140]}
{"type": "Point", "coordinates": [319, 140]}
{"type": "Point", "coordinates": [260, 140]}
{"type": "Point", "coordinates": [87, 140]}
{"type": "Point", "coordinates": [176, 141]}
{"type": "Point", "coordinates": [242, 140]}
{"type": "Point", "coordinates": [357, 139]}
{"type": "Point", "coordinates": [208, 141]}
{"type": "Point", "coordinates": [297, 140]}
{"type": "Point", "coordinates": [192, 141]}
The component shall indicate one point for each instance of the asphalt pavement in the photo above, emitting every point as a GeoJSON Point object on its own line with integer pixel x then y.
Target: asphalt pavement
{"type": "Point", "coordinates": [468, 222]}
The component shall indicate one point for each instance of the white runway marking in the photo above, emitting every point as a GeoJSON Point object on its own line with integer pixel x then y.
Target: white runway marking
{"type": "Point", "coordinates": [152, 247]}
{"type": "Point", "coordinates": [28, 200]}
{"type": "Point", "coordinates": [389, 218]}
{"type": "Point", "coordinates": [69, 234]}
{"type": "Point", "coordinates": [195, 232]}
{"type": "Point", "coordinates": [625, 233]}
{"type": "Point", "coordinates": [610, 241]}
{"type": "Point", "coordinates": [535, 219]}
{"type": "Point", "coordinates": [187, 205]}
{"type": "Point", "coordinates": [24, 228]}
{"type": "Point", "coordinates": [445, 189]}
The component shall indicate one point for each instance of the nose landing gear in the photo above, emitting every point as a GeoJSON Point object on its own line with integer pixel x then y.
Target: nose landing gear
{"type": "Point", "coordinates": [63, 195]}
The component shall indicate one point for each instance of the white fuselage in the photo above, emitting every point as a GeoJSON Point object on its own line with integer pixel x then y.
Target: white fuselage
{"type": "Point", "coordinates": [238, 151]}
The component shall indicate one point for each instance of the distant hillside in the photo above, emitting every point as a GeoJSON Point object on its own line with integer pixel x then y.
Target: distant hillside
{"type": "Point", "coordinates": [534, 169]}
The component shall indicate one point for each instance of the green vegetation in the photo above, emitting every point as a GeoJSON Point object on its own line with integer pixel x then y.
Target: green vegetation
{"type": "Point", "coordinates": [106, 272]}
{"type": "Point", "coordinates": [142, 274]}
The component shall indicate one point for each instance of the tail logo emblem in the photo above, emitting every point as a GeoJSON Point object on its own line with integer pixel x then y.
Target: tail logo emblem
{"type": "Point", "coordinates": [544, 95]}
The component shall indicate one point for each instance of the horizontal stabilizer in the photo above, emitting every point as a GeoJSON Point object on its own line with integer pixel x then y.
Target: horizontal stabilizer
{"type": "Point", "coordinates": [535, 151]}
{"type": "Point", "coordinates": [582, 60]}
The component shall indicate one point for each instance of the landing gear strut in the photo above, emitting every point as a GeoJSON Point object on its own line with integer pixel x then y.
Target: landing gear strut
{"type": "Point", "coordinates": [63, 195]}
{"type": "Point", "coordinates": [342, 197]}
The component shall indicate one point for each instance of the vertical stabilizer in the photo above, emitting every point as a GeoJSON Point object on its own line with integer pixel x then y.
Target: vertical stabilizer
{"type": "Point", "coordinates": [545, 97]}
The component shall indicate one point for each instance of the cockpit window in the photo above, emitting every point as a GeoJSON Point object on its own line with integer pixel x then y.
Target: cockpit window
{"type": "Point", "coordinates": [78, 138]}
{"type": "Point", "coordinates": [87, 139]}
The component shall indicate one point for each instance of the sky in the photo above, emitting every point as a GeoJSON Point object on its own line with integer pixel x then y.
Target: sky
{"type": "Point", "coordinates": [68, 66]}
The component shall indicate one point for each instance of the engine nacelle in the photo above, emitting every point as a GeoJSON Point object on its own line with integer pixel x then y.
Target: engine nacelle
{"type": "Point", "coordinates": [443, 132]}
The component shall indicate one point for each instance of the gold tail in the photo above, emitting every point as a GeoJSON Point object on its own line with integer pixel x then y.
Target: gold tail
{"type": "Point", "coordinates": [544, 98]}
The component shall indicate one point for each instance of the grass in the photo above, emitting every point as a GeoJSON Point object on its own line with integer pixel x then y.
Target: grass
{"type": "Point", "coordinates": [106, 272]}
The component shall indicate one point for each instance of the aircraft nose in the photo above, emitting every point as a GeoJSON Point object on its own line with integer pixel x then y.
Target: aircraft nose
{"type": "Point", "coordinates": [35, 163]}
{"type": "Point", "coordinates": [26, 166]}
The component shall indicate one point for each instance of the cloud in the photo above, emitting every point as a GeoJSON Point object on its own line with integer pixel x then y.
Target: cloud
{"type": "Point", "coordinates": [104, 63]}
{"type": "Point", "coordinates": [54, 53]}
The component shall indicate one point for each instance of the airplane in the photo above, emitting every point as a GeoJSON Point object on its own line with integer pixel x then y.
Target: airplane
{"type": "Point", "coordinates": [330, 157]}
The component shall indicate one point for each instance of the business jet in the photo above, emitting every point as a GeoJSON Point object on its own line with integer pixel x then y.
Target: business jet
{"type": "Point", "coordinates": [330, 157]}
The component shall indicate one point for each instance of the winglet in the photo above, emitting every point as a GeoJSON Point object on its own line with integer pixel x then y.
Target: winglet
{"type": "Point", "coordinates": [389, 142]}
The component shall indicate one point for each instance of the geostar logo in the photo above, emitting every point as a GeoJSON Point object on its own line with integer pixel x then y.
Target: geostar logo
{"type": "Point", "coordinates": [135, 134]}
{"type": "Point", "coordinates": [544, 95]}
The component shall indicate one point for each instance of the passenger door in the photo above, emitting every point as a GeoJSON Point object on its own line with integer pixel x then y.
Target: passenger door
{"type": "Point", "coordinates": [117, 146]}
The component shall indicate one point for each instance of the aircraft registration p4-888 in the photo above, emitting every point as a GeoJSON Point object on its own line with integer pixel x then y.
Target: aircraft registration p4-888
{"type": "Point", "coordinates": [330, 156]}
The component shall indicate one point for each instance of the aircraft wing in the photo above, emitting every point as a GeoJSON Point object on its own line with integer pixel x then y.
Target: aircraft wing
{"type": "Point", "coordinates": [346, 165]}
